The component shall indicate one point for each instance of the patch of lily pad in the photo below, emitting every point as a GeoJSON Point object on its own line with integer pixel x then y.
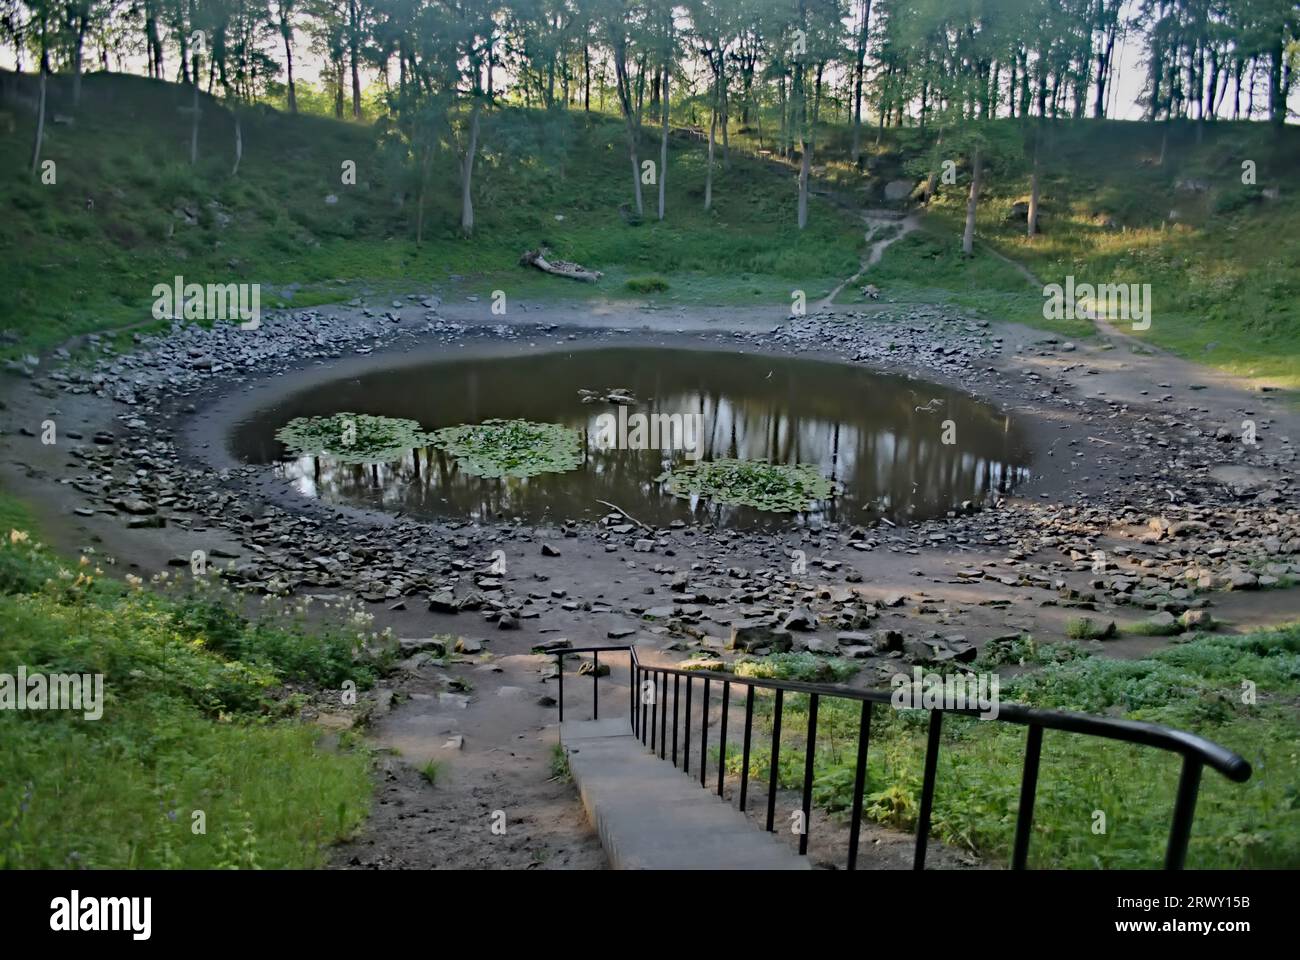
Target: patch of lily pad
{"type": "Point", "coordinates": [778, 488]}
{"type": "Point", "coordinates": [353, 437]}
{"type": "Point", "coordinates": [511, 448]}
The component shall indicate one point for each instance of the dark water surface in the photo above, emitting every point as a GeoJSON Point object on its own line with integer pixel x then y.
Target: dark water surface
{"type": "Point", "coordinates": [862, 429]}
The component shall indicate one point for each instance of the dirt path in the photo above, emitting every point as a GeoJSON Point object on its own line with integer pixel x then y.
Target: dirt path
{"type": "Point", "coordinates": [877, 221]}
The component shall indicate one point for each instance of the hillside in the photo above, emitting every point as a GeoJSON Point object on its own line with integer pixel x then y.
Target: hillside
{"type": "Point", "coordinates": [555, 179]}
{"type": "Point", "coordinates": [128, 211]}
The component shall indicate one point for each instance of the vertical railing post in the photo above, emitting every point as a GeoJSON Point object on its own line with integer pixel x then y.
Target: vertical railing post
{"type": "Point", "coordinates": [809, 754]}
{"type": "Point", "coordinates": [1189, 784]}
{"type": "Point", "coordinates": [654, 709]}
{"type": "Point", "coordinates": [595, 685]}
{"type": "Point", "coordinates": [1028, 788]}
{"type": "Point", "coordinates": [859, 782]}
{"type": "Point", "coordinates": [927, 789]}
{"type": "Point", "coordinates": [663, 718]}
{"type": "Point", "coordinates": [774, 761]}
{"type": "Point", "coordinates": [686, 732]}
{"type": "Point", "coordinates": [704, 731]}
{"type": "Point", "coordinates": [744, 763]}
{"type": "Point", "coordinates": [559, 662]}
{"type": "Point", "coordinates": [677, 699]}
{"type": "Point", "coordinates": [722, 735]}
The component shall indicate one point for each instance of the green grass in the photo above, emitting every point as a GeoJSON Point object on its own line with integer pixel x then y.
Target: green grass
{"type": "Point", "coordinates": [647, 284]}
{"type": "Point", "coordinates": [1195, 686]}
{"type": "Point", "coordinates": [1223, 273]}
{"type": "Point", "coordinates": [560, 764]}
{"type": "Point", "coordinates": [543, 179]}
{"type": "Point", "coordinates": [198, 760]}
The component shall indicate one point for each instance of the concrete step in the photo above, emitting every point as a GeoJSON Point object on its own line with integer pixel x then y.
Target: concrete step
{"type": "Point", "coordinates": [652, 816]}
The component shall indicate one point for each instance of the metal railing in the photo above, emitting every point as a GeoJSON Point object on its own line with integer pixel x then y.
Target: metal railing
{"type": "Point", "coordinates": [650, 723]}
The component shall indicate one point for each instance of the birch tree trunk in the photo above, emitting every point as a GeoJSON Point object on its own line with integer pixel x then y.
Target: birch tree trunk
{"type": "Point", "coordinates": [40, 121]}
{"type": "Point", "coordinates": [968, 236]}
{"type": "Point", "coordinates": [708, 176]}
{"type": "Point", "coordinates": [1031, 225]}
{"type": "Point", "coordinates": [239, 143]}
{"type": "Point", "coordinates": [467, 173]}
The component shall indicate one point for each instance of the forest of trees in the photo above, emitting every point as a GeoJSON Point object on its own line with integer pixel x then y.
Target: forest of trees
{"type": "Point", "coordinates": [874, 63]}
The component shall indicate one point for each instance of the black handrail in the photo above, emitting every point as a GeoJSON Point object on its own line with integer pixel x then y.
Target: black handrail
{"type": "Point", "coordinates": [1196, 751]}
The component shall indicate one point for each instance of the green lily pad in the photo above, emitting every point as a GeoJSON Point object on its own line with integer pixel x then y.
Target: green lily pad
{"type": "Point", "coordinates": [352, 437]}
{"type": "Point", "coordinates": [511, 448]}
{"type": "Point", "coordinates": [779, 488]}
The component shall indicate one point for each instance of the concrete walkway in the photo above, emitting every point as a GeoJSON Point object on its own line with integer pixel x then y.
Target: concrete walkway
{"type": "Point", "coordinates": [652, 816]}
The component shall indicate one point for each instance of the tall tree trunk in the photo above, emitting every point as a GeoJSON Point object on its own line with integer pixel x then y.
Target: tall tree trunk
{"type": "Point", "coordinates": [76, 61]}
{"type": "Point", "coordinates": [239, 142]}
{"type": "Point", "coordinates": [805, 166]}
{"type": "Point", "coordinates": [467, 173]}
{"type": "Point", "coordinates": [972, 202]}
{"type": "Point", "coordinates": [708, 167]}
{"type": "Point", "coordinates": [586, 73]}
{"type": "Point", "coordinates": [861, 57]}
{"type": "Point", "coordinates": [724, 106]}
{"type": "Point", "coordinates": [663, 144]}
{"type": "Point", "coordinates": [805, 148]}
{"type": "Point", "coordinates": [1031, 226]}
{"type": "Point", "coordinates": [1276, 90]}
{"type": "Point", "coordinates": [623, 82]}
{"type": "Point", "coordinates": [356, 84]}
{"type": "Point", "coordinates": [782, 151]}
{"type": "Point", "coordinates": [286, 32]}
{"type": "Point", "coordinates": [194, 124]}
{"type": "Point", "coordinates": [40, 109]}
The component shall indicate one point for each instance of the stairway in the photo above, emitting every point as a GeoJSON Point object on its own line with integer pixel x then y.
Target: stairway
{"type": "Point", "coordinates": [652, 816]}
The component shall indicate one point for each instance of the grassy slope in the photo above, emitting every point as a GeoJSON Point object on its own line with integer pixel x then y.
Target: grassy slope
{"type": "Point", "coordinates": [1225, 274]}
{"type": "Point", "coordinates": [76, 269]}
{"type": "Point", "coordinates": [1195, 686]}
{"type": "Point", "coordinates": [193, 721]}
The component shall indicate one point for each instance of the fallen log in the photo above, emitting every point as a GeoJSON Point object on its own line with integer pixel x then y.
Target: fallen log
{"type": "Point", "coordinates": [540, 258]}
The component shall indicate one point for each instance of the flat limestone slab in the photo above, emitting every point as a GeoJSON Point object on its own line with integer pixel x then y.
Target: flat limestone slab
{"type": "Point", "coordinates": [651, 816]}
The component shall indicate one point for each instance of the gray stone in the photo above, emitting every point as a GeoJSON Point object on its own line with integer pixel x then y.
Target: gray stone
{"type": "Point", "coordinates": [896, 190]}
{"type": "Point", "coordinates": [749, 635]}
{"type": "Point", "coordinates": [800, 618]}
{"type": "Point", "coordinates": [444, 601]}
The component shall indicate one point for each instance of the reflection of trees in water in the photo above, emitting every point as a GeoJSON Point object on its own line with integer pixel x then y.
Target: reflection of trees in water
{"type": "Point", "coordinates": [890, 460]}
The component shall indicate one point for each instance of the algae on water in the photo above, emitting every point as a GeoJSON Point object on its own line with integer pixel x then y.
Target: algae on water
{"type": "Point", "coordinates": [511, 448]}
{"type": "Point", "coordinates": [779, 488]}
{"type": "Point", "coordinates": [353, 437]}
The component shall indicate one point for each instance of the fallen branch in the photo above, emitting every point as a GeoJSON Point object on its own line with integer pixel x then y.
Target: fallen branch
{"type": "Point", "coordinates": [561, 268]}
{"type": "Point", "coordinates": [615, 506]}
